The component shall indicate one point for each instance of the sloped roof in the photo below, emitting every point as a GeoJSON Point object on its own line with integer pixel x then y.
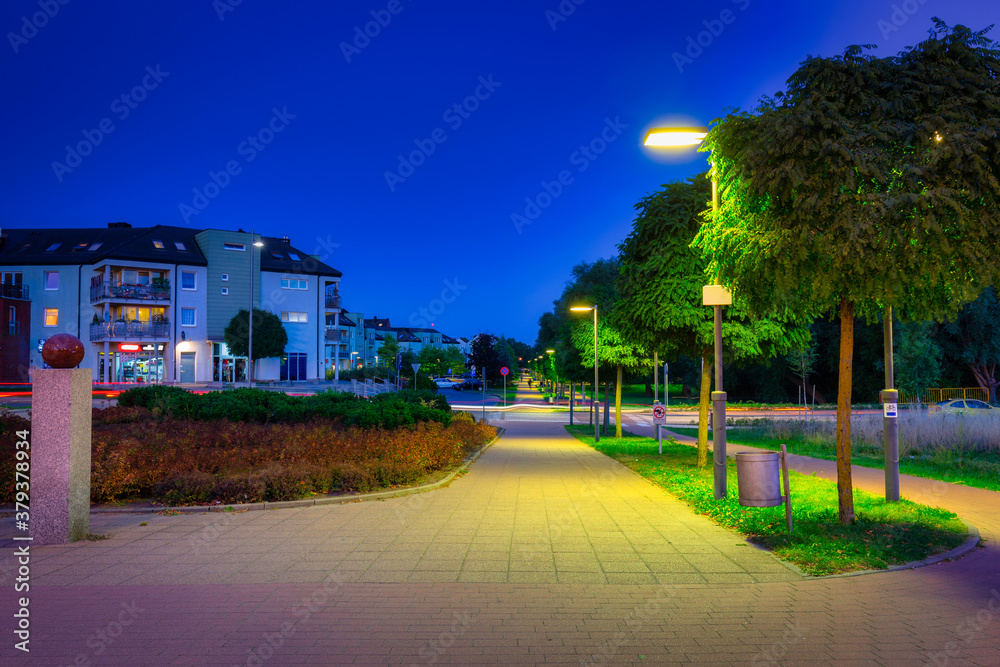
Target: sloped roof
{"type": "Point", "coordinates": [280, 256]}
{"type": "Point", "coordinates": [74, 246]}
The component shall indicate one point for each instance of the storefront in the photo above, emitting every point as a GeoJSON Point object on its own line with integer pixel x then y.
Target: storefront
{"type": "Point", "coordinates": [138, 363]}
{"type": "Point", "coordinates": [226, 367]}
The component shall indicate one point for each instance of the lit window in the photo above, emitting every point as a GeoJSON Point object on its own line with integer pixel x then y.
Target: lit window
{"type": "Point", "coordinates": [179, 245]}
{"type": "Point", "coordinates": [294, 283]}
{"type": "Point", "coordinates": [294, 257]}
{"type": "Point", "coordinates": [51, 280]}
{"type": "Point", "coordinates": [239, 247]}
{"type": "Point", "coordinates": [158, 244]}
{"type": "Point", "coordinates": [53, 247]}
{"type": "Point", "coordinates": [51, 317]}
{"type": "Point", "coordinates": [188, 280]}
{"type": "Point", "coordinates": [24, 246]}
{"type": "Point", "coordinates": [294, 317]}
{"type": "Point", "coordinates": [96, 246]}
{"type": "Point", "coordinates": [80, 246]}
{"type": "Point", "coordinates": [187, 317]}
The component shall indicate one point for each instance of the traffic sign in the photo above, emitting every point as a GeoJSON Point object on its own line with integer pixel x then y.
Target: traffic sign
{"type": "Point", "coordinates": [659, 414]}
{"type": "Point", "coordinates": [504, 370]}
{"type": "Point", "coordinates": [890, 410]}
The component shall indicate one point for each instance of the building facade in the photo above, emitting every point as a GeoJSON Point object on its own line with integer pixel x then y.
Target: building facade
{"type": "Point", "coordinates": [151, 304]}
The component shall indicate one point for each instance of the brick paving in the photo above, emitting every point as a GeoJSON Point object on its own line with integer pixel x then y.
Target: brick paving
{"type": "Point", "coordinates": [544, 552]}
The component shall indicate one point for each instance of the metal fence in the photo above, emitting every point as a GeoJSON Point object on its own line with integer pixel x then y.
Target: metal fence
{"type": "Point", "coordinates": [946, 394]}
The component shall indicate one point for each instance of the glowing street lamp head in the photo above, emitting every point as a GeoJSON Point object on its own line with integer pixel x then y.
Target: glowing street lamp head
{"type": "Point", "coordinates": [550, 351]}
{"type": "Point", "coordinates": [582, 309]}
{"type": "Point", "coordinates": [675, 137]}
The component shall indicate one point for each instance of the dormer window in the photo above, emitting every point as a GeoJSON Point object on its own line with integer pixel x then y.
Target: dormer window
{"type": "Point", "coordinates": [179, 245]}
{"type": "Point", "coordinates": [80, 246]}
{"type": "Point", "coordinates": [294, 257]}
{"type": "Point", "coordinates": [53, 247]}
{"type": "Point", "coordinates": [276, 255]}
{"type": "Point", "coordinates": [158, 244]}
{"type": "Point", "coordinates": [95, 246]}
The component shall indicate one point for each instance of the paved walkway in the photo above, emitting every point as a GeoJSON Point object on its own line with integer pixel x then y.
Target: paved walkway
{"type": "Point", "coordinates": [544, 552]}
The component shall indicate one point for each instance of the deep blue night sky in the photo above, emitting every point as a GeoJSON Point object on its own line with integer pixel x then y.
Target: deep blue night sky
{"type": "Point", "coordinates": [222, 69]}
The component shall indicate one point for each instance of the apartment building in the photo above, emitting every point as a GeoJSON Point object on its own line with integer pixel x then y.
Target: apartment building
{"type": "Point", "coordinates": [151, 304]}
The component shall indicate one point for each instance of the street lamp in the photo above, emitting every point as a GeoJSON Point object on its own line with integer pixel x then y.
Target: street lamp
{"type": "Point", "coordinates": [712, 295]}
{"type": "Point", "coordinates": [254, 243]}
{"type": "Point", "coordinates": [597, 417]}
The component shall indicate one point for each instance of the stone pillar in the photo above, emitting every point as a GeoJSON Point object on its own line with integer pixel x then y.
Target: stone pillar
{"type": "Point", "coordinates": [60, 455]}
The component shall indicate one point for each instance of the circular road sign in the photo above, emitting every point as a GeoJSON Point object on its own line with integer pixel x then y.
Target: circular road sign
{"type": "Point", "coordinates": [504, 371]}
{"type": "Point", "coordinates": [659, 414]}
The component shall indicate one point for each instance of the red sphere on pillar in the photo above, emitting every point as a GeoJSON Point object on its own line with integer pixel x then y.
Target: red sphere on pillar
{"type": "Point", "coordinates": [63, 351]}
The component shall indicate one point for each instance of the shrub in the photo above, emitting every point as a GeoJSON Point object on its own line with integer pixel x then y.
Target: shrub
{"type": "Point", "coordinates": [243, 487]}
{"type": "Point", "coordinates": [186, 488]}
{"type": "Point", "coordinates": [292, 483]}
{"type": "Point", "coordinates": [352, 478]}
{"type": "Point", "coordinates": [10, 424]}
{"type": "Point", "coordinates": [120, 414]}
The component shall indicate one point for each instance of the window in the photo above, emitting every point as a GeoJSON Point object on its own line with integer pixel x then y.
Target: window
{"type": "Point", "coordinates": [239, 247]}
{"type": "Point", "coordinates": [80, 246]}
{"type": "Point", "coordinates": [188, 280]}
{"type": "Point", "coordinates": [187, 317]}
{"type": "Point", "coordinates": [180, 246]}
{"type": "Point", "coordinates": [294, 257]}
{"type": "Point", "coordinates": [158, 244]}
{"type": "Point", "coordinates": [24, 246]}
{"type": "Point", "coordinates": [225, 291]}
{"type": "Point", "coordinates": [294, 283]}
{"type": "Point", "coordinates": [96, 246]}
{"type": "Point", "coordinates": [51, 280]}
{"type": "Point", "coordinates": [51, 317]}
{"type": "Point", "coordinates": [225, 277]}
{"type": "Point", "coordinates": [143, 277]}
{"type": "Point", "coordinates": [293, 366]}
{"type": "Point", "coordinates": [11, 278]}
{"type": "Point", "coordinates": [294, 317]}
{"type": "Point", "coordinates": [276, 255]}
{"type": "Point", "coordinates": [53, 247]}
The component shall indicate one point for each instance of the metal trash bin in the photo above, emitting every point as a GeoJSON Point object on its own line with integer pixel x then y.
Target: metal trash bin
{"type": "Point", "coordinates": [757, 479]}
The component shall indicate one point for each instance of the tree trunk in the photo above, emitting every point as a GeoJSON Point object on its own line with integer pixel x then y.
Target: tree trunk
{"type": "Point", "coordinates": [845, 491]}
{"type": "Point", "coordinates": [607, 408]}
{"type": "Point", "coordinates": [618, 404]}
{"type": "Point", "coordinates": [986, 378]}
{"type": "Point", "coordinates": [707, 356]}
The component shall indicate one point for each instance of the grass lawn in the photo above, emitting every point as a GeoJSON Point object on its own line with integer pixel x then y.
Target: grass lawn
{"type": "Point", "coordinates": [883, 534]}
{"type": "Point", "coordinates": [976, 468]}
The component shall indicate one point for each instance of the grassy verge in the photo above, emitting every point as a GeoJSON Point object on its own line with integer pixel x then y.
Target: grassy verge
{"type": "Point", "coordinates": [884, 534]}
{"type": "Point", "coordinates": [979, 468]}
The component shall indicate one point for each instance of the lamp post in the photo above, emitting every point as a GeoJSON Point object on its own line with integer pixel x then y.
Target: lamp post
{"type": "Point", "coordinates": [254, 243]}
{"type": "Point", "coordinates": [597, 417]}
{"type": "Point", "coordinates": [712, 295]}
{"type": "Point", "coordinates": [555, 378]}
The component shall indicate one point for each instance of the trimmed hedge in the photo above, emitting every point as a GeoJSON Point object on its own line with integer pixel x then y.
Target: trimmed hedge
{"type": "Point", "coordinates": [388, 411]}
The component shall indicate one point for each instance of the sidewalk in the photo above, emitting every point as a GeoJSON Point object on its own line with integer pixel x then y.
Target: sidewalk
{"type": "Point", "coordinates": [544, 552]}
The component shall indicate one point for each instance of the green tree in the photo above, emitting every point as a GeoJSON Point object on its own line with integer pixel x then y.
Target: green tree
{"type": "Point", "coordinates": [917, 364]}
{"type": "Point", "coordinates": [802, 361]}
{"type": "Point", "coordinates": [437, 360]}
{"type": "Point", "coordinates": [269, 335]}
{"type": "Point", "coordinates": [973, 339]}
{"type": "Point", "coordinates": [485, 356]}
{"type": "Point", "coordinates": [870, 183]}
{"type": "Point", "coordinates": [661, 279]}
{"type": "Point", "coordinates": [388, 350]}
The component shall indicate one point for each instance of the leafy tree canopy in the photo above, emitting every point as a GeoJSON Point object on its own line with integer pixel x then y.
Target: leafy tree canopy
{"type": "Point", "coordinates": [269, 335]}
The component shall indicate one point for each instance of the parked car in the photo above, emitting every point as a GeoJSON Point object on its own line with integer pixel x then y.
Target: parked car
{"type": "Point", "coordinates": [471, 383]}
{"type": "Point", "coordinates": [960, 406]}
{"type": "Point", "coordinates": [445, 383]}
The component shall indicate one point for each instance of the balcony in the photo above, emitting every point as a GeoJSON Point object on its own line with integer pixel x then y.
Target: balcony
{"type": "Point", "coordinates": [333, 335]}
{"type": "Point", "coordinates": [127, 331]}
{"type": "Point", "coordinates": [14, 291]}
{"type": "Point", "coordinates": [333, 300]}
{"type": "Point", "coordinates": [122, 292]}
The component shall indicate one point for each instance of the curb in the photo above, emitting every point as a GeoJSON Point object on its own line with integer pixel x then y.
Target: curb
{"type": "Point", "coordinates": [309, 502]}
{"type": "Point", "coordinates": [971, 542]}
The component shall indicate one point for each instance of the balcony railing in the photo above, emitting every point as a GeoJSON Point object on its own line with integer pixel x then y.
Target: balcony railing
{"type": "Point", "coordinates": [333, 300]}
{"type": "Point", "coordinates": [13, 328]}
{"type": "Point", "coordinates": [14, 291]}
{"type": "Point", "coordinates": [333, 335]}
{"type": "Point", "coordinates": [119, 291]}
{"type": "Point", "coordinates": [129, 331]}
